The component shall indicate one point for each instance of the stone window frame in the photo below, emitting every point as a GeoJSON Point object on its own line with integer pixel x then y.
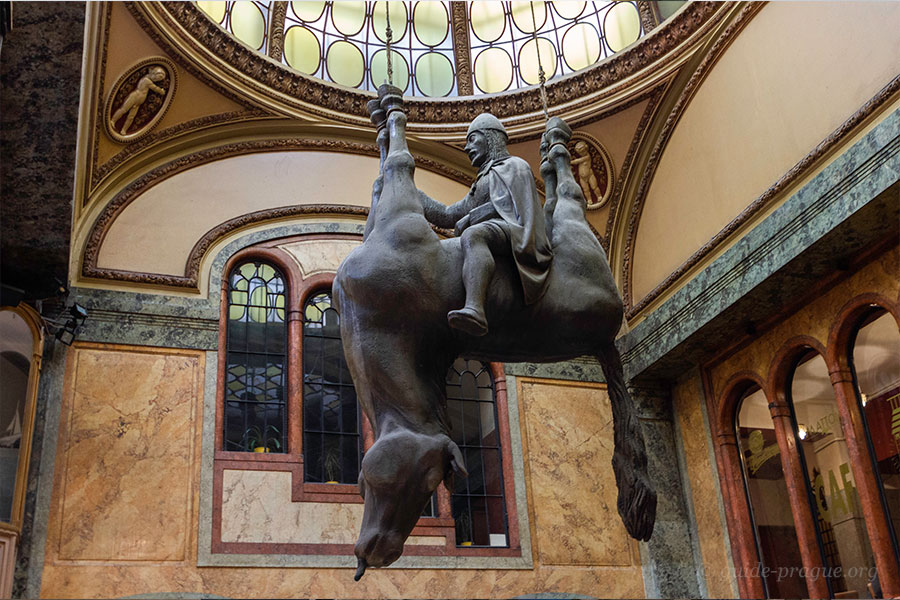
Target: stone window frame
{"type": "Point", "coordinates": [836, 353]}
{"type": "Point", "coordinates": [299, 289]}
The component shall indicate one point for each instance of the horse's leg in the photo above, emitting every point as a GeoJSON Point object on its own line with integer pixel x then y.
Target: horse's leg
{"type": "Point", "coordinates": [379, 118]}
{"type": "Point", "coordinates": [637, 497]}
{"type": "Point", "coordinates": [548, 174]}
{"type": "Point", "coordinates": [570, 203]}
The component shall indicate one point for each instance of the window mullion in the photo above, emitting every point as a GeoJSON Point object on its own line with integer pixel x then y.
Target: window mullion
{"type": "Point", "coordinates": [277, 16]}
{"type": "Point", "coordinates": [462, 53]}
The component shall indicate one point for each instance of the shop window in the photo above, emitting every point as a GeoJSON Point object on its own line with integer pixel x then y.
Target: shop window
{"type": "Point", "coordinates": [875, 357]}
{"type": "Point", "coordinates": [767, 494]}
{"type": "Point", "coordinates": [332, 440]}
{"type": "Point", "coordinates": [478, 501]}
{"type": "Point", "coordinates": [255, 417]}
{"type": "Point", "coordinates": [837, 510]}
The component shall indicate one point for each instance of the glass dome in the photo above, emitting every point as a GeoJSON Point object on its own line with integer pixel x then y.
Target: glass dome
{"type": "Point", "coordinates": [438, 49]}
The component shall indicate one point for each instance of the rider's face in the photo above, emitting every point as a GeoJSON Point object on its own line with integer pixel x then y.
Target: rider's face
{"type": "Point", "coordinates": [477, 148]}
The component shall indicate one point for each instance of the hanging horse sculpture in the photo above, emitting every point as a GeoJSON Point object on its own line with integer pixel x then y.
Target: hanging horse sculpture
{"type": "Point", "coordinates": [394, 293]}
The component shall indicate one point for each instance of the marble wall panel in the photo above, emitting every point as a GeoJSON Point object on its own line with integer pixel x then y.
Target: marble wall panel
{"type": "Point", "coordinates": [569, 447]}
{"type": "Point", "coordinates": [319, 256]}
{"type": "Point", "coordinates": [704, 495]}
{"type": "Point", "coordinates": [126, 465]}
{"type": "Point", "coordinates": [257, 507]}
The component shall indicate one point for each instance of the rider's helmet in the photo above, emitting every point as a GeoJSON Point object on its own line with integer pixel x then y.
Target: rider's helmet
{"type": "Point", "coordinates": [487, 122]}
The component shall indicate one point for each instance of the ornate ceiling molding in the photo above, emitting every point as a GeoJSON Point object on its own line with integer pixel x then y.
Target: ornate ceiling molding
{"type": "Point", "coordinates": [131, 192]}
{"type": "Point", "coordinates": [234, 69]}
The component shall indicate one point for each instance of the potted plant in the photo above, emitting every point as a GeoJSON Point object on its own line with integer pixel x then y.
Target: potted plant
{"type": "Point", "coordinates": [332, 463]}
{"type": "Point", "coordinates": [262, 440]}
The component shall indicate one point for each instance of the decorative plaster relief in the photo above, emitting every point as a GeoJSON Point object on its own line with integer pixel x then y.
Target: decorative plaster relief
{"type": "Point", "coordinates": [139, 99]}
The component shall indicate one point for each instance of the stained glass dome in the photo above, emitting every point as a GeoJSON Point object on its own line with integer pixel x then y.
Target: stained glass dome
{"type": "Point", "coordinates": [438, 49]}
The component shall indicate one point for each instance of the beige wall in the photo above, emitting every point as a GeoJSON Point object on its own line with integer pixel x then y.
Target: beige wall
{"type": "Point", "coordinates": [796, 72]}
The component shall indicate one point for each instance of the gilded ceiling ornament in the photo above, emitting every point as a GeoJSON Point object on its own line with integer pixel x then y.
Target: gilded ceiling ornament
{"type": "Point", "coordinates": [139, 99]}
{"type": "Point", "coordinates": [593, 169]}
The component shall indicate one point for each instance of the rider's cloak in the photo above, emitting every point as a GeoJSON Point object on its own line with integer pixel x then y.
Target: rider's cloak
{"type": "Point", "coordinates": [514, 196]}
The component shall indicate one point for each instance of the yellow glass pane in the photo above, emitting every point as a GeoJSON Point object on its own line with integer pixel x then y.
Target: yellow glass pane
{"type": "Point", "coordinates": [493, 70]}
{"type": "Point", "coordinates": [581, 46]}
{"type": "Point", "coordinates": [528, 60]}
{"type": "Point", "coordinates": [568, 9]}
{"type": "Point", "coordinates": [379, 69]}
{"type": "Point", "coordinates": [622, 25]}
{"type": "Point", "coordinates": [301, 50]}
{"type": "Point", "coordinates": [258, 296]}
{"type": "Point", "coordinates": [266, 272]}
{"type": "Point", "coordinates": [348, 17]}
{"type": "Point", "coordinates": [235, 313]}
{"type": "Point", "coordinates": [312, 313]}
{"type": "Point", "coordinates": [345, 64]}
{"type": "Point", "coordinates": [307, 10]}
{"type": "Point", "coordinates": [214, 8]}
{"type": "Point", "coordinates": [239, 297]}
{"type": "Point", "coordinates": [434, 74]}
{"type": "Point", "coordinates": [248, 271]}
{"type": "Point", "coordinates": [431, 22]}
{"type": "Point", "coordinates": [529, 16]}
{"type": "Point", "coordinates": [488, 20]}
{"type": "Point", "coordinates": [398, 21]}
{"type": "Point", "coordinates": [248, 23]}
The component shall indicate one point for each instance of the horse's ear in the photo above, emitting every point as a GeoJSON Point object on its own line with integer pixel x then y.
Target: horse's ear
{"type": "Point", "coordinates": [457, 465]}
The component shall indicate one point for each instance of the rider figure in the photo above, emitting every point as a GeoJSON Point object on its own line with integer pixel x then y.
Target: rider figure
{"type": "Point", "coordinates": [500, 216]}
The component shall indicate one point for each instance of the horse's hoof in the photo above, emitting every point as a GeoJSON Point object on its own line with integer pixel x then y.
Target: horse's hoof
{"type": "Point", "coordinates": [557, 132]}
{"type": "Point", "coordinates": [391, 98]}
{"type": "Point", "coordinates": [468, 320]}
{"type": "Point", "coordinates": [376, 113]}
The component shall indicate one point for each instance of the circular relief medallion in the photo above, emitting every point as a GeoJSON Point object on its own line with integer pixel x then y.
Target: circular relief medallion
{"type": "Point", "coordinates": [593, 169]}
{"type": "Point", "coordinates": [139, 99]}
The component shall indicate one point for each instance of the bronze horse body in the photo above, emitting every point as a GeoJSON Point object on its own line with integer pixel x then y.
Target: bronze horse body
{"type": "Point", "coordinates": [394, 292]}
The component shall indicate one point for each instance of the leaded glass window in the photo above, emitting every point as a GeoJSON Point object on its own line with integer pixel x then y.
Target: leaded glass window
{"type": "Point", "coordinates": [256, 346]}
{"type": "Point", "coordinates": [246, 20]}
{"type": "Point", "coordinates": [332, 440]}
{"type": "Point", "coordinates": [478, 501]}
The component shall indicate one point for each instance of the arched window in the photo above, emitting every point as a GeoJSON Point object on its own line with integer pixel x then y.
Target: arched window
{"type": "Point", "coordinates": [767, 495]}
{"type": "Point", "coordinates": [255, 417]}
{"type": "Point", "coordinates": [332, 440]}
{"type": "Point", "coordinates": [838, 514]}
{"type": "Point", "coordinates": [875, 360]}
{"type": "Point", "coordinates": [478, 501]}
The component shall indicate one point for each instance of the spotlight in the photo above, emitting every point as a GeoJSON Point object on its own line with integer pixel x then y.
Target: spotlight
{"type": "Point", "coordinates": [801, 432]}
{"type": "Point", "coordinates": [67, 333]}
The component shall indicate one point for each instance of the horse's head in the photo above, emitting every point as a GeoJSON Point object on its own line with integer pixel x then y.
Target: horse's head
{"type": "Point", "coordinates": [399, 474]}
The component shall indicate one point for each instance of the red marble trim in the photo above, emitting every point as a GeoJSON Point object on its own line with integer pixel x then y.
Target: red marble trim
{"type": "Point", "coordinates": [774, 384]}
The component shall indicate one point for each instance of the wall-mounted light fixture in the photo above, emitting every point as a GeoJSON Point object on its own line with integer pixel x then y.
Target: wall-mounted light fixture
{"type": "Point", "coordinates": [68, 332]}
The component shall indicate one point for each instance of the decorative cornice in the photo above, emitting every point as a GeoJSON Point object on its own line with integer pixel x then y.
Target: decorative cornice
{"type": "Point", "coordinates": [106, 168]}
{"type": "Point", "coordinates": [125, 197]}
{"type": "Point", "coordinates": [648, 172]}
{"type": "Point", "coordinates": [272, 81]}
{"type": "Point", "coordinates": [794, 174]}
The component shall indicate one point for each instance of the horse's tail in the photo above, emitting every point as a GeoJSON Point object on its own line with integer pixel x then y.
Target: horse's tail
{"type": "Point", "coordinates": [637, 497]}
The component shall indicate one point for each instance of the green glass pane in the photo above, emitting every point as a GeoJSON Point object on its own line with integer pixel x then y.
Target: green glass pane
{"type": "Point", "coordinates": [214, 8]}
{"type": "Point", "coordinates": [248, 23]}
{"type": "Point", "coordinates": [434, 74]}
{"type": "Point", "coordinates": [345, 64]}
{"type": "Point", "coordinates": [493, 70]}
{"type": "Point", "coordinates": [488, 20]}
{"type": "Point", "coordinates": [235, 313]}
{"type": "Point", "coordinates": [239, 297]}
{"type": "Point", "coordinates": [398, 63]}
{"type": "Point", "coordinates": [266, 272]}
{"type": "Point", "coordinates": [308, 11]}
{"type": "Point", "coordinates": [248, 271]}
{"type": "Point", "coordinates": [528, 60]}
{"type": "Point", "coordinates": [398, 21]}
{"type": "Point", "coordinates": [431, 22]}
{"type": "Point", "coordinates": [529, 16]}
{"type": "Point", "coordinates": [568, 9]}
{"type": "Point", "coordinates": [241, 284]}
{"type": "Point", "coordinates": [301, 50]}
{"type": "Point", "coordinates": [581, 46]}
{"type": "Point", "coordinates": [348, 17]}
{"type": "Point", "coordinates": [667, 8]}
{"type": "Point", "coordinates": [622, 25]}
